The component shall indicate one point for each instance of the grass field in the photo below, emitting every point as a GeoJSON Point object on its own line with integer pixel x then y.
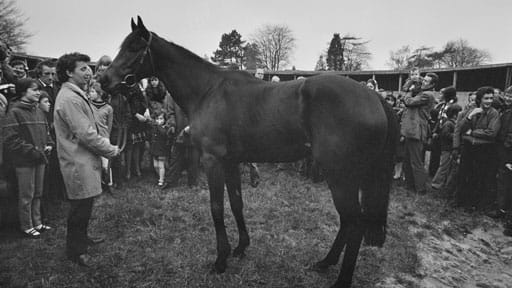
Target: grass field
{"type": "Point", "coordinates": [166, 239]}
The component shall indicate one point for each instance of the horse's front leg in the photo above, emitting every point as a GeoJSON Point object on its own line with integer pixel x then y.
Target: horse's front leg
{"type": "Point", "coordinates": [215, 172]}
{"type": "Point", "coordinates": [234, 187]}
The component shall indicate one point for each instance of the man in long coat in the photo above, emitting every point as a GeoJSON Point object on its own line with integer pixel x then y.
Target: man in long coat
{"type": "Point", "coordinates": [79, 147]}
{"type": "Point", "coordinates": [415, 129]}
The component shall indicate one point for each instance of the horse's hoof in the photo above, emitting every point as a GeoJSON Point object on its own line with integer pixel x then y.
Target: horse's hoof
{"type": "Point", "coordinates": [342, 284]}
{"type": "Point", "coordinates": [320, 267]}
{"type": "Point", "coordinates": [218, 268]}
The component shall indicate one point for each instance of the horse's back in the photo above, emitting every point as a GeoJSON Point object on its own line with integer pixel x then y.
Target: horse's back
{"type": "Point", "coordinates": [347, 121]}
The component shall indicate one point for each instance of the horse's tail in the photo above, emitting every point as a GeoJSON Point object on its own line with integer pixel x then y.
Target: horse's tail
{"type": "Point", "coordinates": [377, 183]}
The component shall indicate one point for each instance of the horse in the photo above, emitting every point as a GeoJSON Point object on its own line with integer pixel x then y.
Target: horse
{"type": "Point", "coordinates": [349, 130]}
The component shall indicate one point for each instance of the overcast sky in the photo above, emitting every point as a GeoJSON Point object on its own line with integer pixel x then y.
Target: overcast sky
{"type": "Point", "coordinates": [97, 27]}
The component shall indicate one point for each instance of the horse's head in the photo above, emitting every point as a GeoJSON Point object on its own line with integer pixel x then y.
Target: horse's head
{"type": "Point", "coordinates": [134, 60]}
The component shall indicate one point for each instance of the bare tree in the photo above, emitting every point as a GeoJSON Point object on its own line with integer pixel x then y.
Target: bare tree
{"type": "Point", "coordinates": [454, 54]}
{"type": "Point", "coordinates": [320, 64]}
{"type": "Point", "coordinates": [421, 57]}
{"type": "Point", "coordinates": [276, 44]}
{"type": "Point", "coordinates": [398, 59]}
{"type": "Point", "coordinates": [356, 53]}
{"type": "Point", "coordinates": [460, 54]}
{"type": "Point", "coordinates": [12, 20]}
{"type": "Point", "coordinates": [347, 53]}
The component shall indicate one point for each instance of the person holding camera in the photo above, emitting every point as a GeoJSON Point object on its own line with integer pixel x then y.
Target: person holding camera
{"type": "Point", "coordinates": [415, 129]}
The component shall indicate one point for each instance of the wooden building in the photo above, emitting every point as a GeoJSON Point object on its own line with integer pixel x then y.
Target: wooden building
{"type": "Point", "coordinates": [464, 79]}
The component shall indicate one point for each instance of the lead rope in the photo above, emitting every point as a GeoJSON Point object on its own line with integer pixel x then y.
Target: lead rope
{"type": "Point", "coordinates": [122, 133]}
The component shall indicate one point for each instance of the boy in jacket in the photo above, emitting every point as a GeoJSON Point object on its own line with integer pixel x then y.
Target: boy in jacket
{"type": "Point", "coordinates": [27, 139]}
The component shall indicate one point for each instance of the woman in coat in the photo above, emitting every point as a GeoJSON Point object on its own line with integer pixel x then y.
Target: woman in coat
{"type": "Point", "coordinates": [475, 139]}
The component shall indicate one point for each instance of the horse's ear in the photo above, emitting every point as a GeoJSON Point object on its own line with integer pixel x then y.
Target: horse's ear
{"type": "Point", "coordinates": [134, 26]}
{"type": "Point", "coordinates": [140, 24]}
{"type": "Point", "coordinates": [143, 28]}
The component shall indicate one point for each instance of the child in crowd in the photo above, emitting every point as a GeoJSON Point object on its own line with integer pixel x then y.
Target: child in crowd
{"type": "Point", "coordinates": [446, 141]}
{"type": "Point", "coordinates": [27, 140]}
{"type": "Point", "coordinates": [104, 116]}
{"type": "Point", "coordinates": [159, 148]}
{"type": "Point", "coordinates": [372, 84]}
{"type": "Point", "coordinates": [45, 106]}
{"type": "Point", "coordinates": [400, 149]}
{"type": "Point", "coordinates": [413, 83]}
{"type": "Point", "coordinates": [44, 102]}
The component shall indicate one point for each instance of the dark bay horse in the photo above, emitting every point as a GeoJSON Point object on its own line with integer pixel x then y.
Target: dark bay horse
{"type": "Point", "coordinates": [236, 118]}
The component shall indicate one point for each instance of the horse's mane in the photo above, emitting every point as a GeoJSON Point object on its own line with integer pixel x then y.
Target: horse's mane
{"type": "Point", "coordinates": [187, 55]}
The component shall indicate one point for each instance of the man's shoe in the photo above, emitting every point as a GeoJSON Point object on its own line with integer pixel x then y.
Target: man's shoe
{"type": "Point", "coordinates": [83, 260]}
{"type": "Point", "coordinates": [161, 186]}
{"type": "Point", "coordinates": [91, 241]}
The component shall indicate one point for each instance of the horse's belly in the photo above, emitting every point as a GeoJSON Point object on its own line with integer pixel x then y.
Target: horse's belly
{"type": "Point", "coordinates": [285, 146]}
{"type": "Point", "coordinates": [275, 155]}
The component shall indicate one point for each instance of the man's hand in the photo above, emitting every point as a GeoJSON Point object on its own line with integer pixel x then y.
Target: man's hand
{"type": "Point", "coordinates": [475, 111]}
{"type": "Point", "coordinates": [140, 117]}
{"type": "Point", "coordinates": [117, 151]}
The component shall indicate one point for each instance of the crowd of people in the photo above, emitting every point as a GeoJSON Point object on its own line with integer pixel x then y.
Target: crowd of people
{"type": "Point", "coordinates": [466, 149]}
{"type": "Point", "coordinates": [64, 137]}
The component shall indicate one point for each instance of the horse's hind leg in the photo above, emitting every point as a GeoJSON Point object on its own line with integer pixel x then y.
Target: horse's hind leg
{"type": "Point", "coordinates": [234, 187]}
{"type": "Point", "coordinates": [344, 187]}
{"type": "Point", "coordinates": [215, 173]}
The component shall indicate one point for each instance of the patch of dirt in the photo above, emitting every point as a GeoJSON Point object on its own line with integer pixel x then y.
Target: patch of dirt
{"type": "Point", "coordinates": [454, 248]}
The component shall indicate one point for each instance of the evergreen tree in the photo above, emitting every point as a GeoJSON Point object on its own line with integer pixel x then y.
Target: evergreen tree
{"type": "Point", "coordinates": [335, 59]}
{"type": "Point", "coordinates": [230, 52]}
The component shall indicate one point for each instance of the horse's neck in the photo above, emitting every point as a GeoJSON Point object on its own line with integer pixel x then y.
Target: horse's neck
{"type": "Point", "coordinates": [187, 80]}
